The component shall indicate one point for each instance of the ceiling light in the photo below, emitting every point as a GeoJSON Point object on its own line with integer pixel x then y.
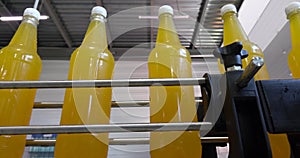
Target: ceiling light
{"type": "Point", "coordinates": [18, 18]}
{"type": "Point", "coordinates": [202, 56]}
{"type": "Point", "coordinates": [156, 17]}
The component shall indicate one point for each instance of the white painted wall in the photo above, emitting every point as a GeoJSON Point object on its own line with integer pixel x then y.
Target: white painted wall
{"type": "Point", "coordinates": [266, 24]}
{"type": "Point", "coordinates": [250, 12]}
{"type": "Point", "coordinates": [271, 21]}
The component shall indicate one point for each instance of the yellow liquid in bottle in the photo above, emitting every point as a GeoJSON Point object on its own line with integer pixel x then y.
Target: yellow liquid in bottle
{"type": "Point", "coordinates": [233, 32]}
{"type": "Point", "coordinates": [92, 60]}
{"type": "Point", "coordinates": [172, 103]}
{"type": "Point", "coordinates": [221, 67]}
{"type": "Point", "coordinates": [18, 61]}
{"type": "Point", "coordinates": [294, 55]}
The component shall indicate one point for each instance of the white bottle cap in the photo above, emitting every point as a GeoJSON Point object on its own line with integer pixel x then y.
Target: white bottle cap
{"type": "Point", "coordinates": [32, 12]}
{"type": "Point", "coordinates": [292, 7]}
{"type": "Point", "coordinates": [228, 8]}
{"type": "Point", "coordinates": [99, 10]}
{"type": "Point", "coordinates": [165, 9]}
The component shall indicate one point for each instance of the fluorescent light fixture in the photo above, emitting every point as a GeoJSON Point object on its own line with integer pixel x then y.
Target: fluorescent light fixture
{"type": "Point", "coordinates": [18, 18]}
{"type": "Point", "coordinates": [44, 17]}
{"type": "Point", "coordinates": [156, 17]}
{"type": "Point", "coordinates": [202, 56]}
{"type": "Point", "coordinates": [11, 18]}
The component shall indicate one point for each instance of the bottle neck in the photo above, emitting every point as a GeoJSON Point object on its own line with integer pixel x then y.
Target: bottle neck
{"type": "Point", "coordinates": [26, 34]}
{"type": "Point", "coordinates": [295, 28]}
{"type": "Point", "coordinates": [167, 32]}
{"type": "Point", "coordinates": [233, 30]}
{"type": "Point", "coordinates": [96, 32]}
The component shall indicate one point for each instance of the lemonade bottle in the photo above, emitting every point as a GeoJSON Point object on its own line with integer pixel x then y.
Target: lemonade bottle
{"type": "Point", "coordinates": [221, 66]}
{"type": "Point", "coordinates": [234, 32]}
{"type": "Point", "coordinates": [169, 59]}
{"type": "Point", "coordinates": [293, 14]}
{"type": "Point", "coordinates": [19, 61]}
{"type": "Point", "coordinates": [92, 60]}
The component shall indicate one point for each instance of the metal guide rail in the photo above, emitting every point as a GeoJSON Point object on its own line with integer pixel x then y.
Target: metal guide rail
{"type": "Point", "coordinates": [123, 141]}
{"type": "Point", "coordinates": [104, 128]}
{"type": "Point", "coordinates": [101, 83]}
{"type": "Point", "coordinates": [114, 104]}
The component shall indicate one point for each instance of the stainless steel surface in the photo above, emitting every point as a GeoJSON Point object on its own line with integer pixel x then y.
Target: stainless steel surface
{"type": "Point", "coordinates": [114, 104]}
{"type": "Point", "coordinates": [101, 83]}
{"type": "Point", "coordinates": [109, 128]}
{"type": "Point", "coordinates": [124, 141]}
{"type": "Point", "coordinates": [252, 68]}
{"type": "Point", "coordinates": [37, 142]}
{"type": "Point", "coordinates": [128, 141]}
{"type": "Point", "coordinates": [47, 105]}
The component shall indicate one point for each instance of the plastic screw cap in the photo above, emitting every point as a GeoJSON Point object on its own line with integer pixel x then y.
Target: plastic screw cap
{"type": "Point", "coordinates": [32, 12]}
{"type": "Point", "coordinates": [165, 9]}
{"type": "Point", "coordinates": [292, 7]}
{"type": "Point", "coordinates": [99, 10]}
{"type": "Point", "coordinates": [228, 8]}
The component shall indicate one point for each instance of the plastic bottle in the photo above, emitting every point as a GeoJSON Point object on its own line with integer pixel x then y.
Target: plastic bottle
{"type": "Point", "coordinates": [92, 60]}
{"type": "Point", "coordinates": [293, 14]}
{"type": "Point", "coordinates": [233, 32]}
{"type": "Point", "coordinates": [221, 67]}
{"type": "Point", "coordinates": [19, 61]}
{"type": "Point", "coordinates": [169, 59]}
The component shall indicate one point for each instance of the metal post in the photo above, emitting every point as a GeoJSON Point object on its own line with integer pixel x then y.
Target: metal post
{"type": "Point", "coordinates": [255, 64]}
{"type": "Point", "coordinates": [36, 3]}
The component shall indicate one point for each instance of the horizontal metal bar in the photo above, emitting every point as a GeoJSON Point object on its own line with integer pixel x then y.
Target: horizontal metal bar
{"type": "Point", "coordinates": [104, 128]}
{"type": "Point", "coordinates": [114, 104]}
{"type": "Point", "coordinates": [129, 141]}
{"type": "Point", "coordinates": [37, 142]}
{"type": "Point", "coordinates": [47, 105]}
{"type": "Point", "coordinates": [124, 141]}
{"type": "Point", "coordinates": [101, 83]}
{"type": "Point", "coordinates": [203, 56]}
